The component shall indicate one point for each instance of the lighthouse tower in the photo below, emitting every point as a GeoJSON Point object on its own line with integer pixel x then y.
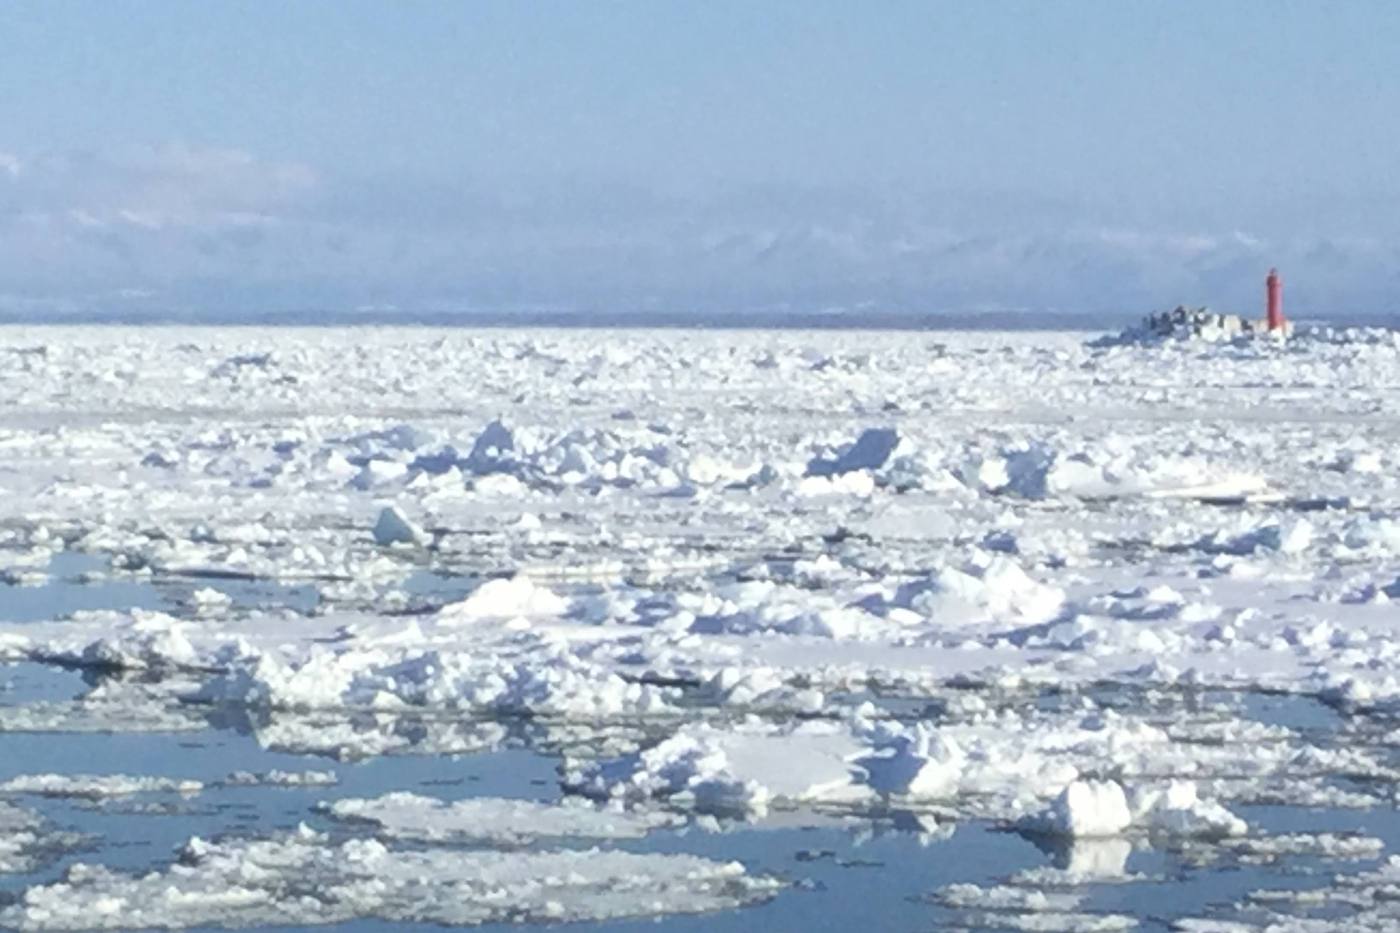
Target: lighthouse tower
{"type": "Point", "coordinates": [1273, 289]}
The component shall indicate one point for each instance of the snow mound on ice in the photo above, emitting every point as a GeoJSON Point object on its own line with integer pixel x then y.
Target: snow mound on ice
{"type": "Point", "coordinates": [738, 770]}
{"type": "Point", "coordinates": [765, 607]}
{"type": "Point", "coordinates": [555, 682]}
{"type": "Point", "coordinates": [303, 878]}
{"type": "Point", "coordinates": [140, 640]}
{"type": "Point", "coordinates": [507, 598]}
{"type": "Point", "coordinates": [1091, 809]}
{"type": "Point", "coordinates": [926, 764]}
{"type": "Point", "coordinates": [1176, 810]}
{"type": "Point", "coordinates": [1038, 470]}
{"type": "Point", "coordinates": [986, 589]}
{"type": "Point", "coordinates": [492, 820]}
{"type": "Point", "coordinates": [756, 688]}
{"type": "Point", "coordinates": [1084, 808]}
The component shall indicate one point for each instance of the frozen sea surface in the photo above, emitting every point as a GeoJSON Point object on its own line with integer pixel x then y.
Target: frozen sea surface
{"type": "Point", "coordinates": [378, 628]}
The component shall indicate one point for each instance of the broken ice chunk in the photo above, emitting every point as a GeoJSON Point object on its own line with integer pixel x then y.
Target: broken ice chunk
{"type": "Point", "coordinates": [394, 527]}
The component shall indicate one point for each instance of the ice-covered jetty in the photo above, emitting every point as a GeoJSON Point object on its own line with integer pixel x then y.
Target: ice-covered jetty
{"type": "Point", "coordinates": [1200, 323]}
{"type": "Point", "coordinates": [1193, 324]}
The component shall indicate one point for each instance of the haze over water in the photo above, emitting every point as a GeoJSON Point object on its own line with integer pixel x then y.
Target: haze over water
{"type": "Point", "coordinates": [706, 161]}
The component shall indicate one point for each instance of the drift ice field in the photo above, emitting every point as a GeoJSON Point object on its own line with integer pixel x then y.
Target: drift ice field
{"type": "Point", "coordinates": [385, 628]}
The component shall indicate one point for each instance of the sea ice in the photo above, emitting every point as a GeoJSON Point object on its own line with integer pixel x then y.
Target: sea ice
{"type": "Point", "coordinates": [1001, 569]}
{"type": "Point", "coordinates": [95, 785]}
{"type": "Point", "coordinates": [1085, 808]}
{"type": "Point", "coordinates": [27, 842]}
{"type": "Point", "coordinates": [518, 597]}
{"type": "Point", "coordinates": [493, 820]}
{"type": "Point", "coordinates": [744, 768]}
{"type": "Point", "coordinates": [303, 878]}
{"type": "Point", "coordinates": [393, 527]}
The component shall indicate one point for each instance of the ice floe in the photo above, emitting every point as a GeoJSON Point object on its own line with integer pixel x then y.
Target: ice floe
{"type": "Point", "coordinates": [28, 842]}
{"type": "Point", "coordinates": [95, 785]}
{"type": "Point", "coordinates": [493, 820]}
{"type": "Point", "coordinates": [733, 770]}
{"type": "Point", "coordinates": [305, 878]}
{"type": "Point", "coordinates": [393, 527]}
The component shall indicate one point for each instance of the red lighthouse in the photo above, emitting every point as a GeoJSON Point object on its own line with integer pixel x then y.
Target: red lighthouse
{"type": "Point", "coordinates": [1273, 286]}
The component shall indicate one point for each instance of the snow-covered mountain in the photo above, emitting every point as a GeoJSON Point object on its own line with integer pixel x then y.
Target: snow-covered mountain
{"type": "Point", "coordinates": [200, 231]}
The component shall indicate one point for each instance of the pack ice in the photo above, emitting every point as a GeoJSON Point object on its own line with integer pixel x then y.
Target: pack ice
{"type": "Point", "coordinates": [1034, 579]}
{"type": "Point", "coordinates": [303, 878]}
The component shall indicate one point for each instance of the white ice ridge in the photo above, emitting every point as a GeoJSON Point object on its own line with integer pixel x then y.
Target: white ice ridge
{"type": "Point", "coordinates": [1034, 772]}
{"type": "Point", "coordinates": [739, 769]}
{"type": "Point", "coordinates": [1101, 808]}
{"type": "Point", "coordinates": [304, 878]}
{"type": "Point", "coordinates": [493, 820]}
{"type": "Point", "coordinates": [96, 785]}
{"type": "Point", "coordinates": [122, 785]}
{"type": "Point", "coordinates": [501, 649]}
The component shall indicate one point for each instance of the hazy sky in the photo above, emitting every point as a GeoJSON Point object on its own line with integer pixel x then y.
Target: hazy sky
{"type": "Point", "coordinates": [1050, 155]}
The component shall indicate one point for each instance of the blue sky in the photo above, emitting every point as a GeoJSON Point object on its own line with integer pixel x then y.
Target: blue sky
{"type": "Point", "coordinates": [717, 156]}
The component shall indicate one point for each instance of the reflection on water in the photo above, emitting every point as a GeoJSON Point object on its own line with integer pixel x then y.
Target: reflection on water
{"type": "Point", "coordinates": [78, 582]}
{"type": "Point", "coordinates": [880, 871]}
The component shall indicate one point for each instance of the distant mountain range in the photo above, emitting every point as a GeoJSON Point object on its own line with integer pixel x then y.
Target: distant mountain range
{"type": "Point", "coordinates": [195, 234]}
